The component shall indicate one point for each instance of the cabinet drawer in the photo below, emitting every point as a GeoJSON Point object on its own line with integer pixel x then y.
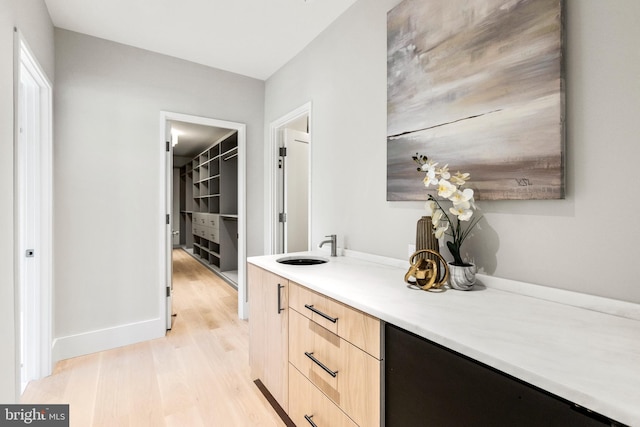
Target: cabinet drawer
{"type": "Point", "coordinates": [212, 234]}
{"type": "Point", "coordinates": [195, 218]}
{"type": "Point", "coordinates": [307, 401]}
{"type": "Point", "coordinates": [201, 231]}
{"type": "Point", "coordinates": [206, 220]}
{"type": "Point", "coordinates": [344, 373]}
{"type": "Point", "coordinates": [198, 230]}
{"type": "Point", "coordinates": [208, 233]}
{"type": "Point", "coordinates": [198, 218]}
{"type": "Point", "coordinates": [212, 221]}
{"type": "Point", "coordinates": [360, 329]}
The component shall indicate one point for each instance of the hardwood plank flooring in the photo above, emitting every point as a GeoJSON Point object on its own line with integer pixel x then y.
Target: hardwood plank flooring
{"type": "Point", "coordinates": [198, 375]}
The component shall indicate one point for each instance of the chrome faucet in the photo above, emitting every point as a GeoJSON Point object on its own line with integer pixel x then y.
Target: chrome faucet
{"type": "Point", "coordinates": [332, 239]}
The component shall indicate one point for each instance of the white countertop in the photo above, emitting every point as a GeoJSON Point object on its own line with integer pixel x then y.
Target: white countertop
{"type": "Point", "coordinates": [585, 356]}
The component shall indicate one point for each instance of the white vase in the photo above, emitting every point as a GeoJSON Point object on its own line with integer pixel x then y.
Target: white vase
{"type": "Point", "coordinates": [462, 278]}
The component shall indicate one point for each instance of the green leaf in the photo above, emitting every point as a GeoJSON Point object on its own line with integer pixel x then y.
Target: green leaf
{"type": "Point", "coordinates": [455, 252]}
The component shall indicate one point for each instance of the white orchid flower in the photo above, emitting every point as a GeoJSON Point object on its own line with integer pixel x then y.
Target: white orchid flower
{"type": "Point", "coordinates": [460, 178]}
{"type": "Point", "coordinates": [466, 216]}
{"type": "Point", "coordinates": [462, 204]}
{"type": "Point", "coordinates": [472, 202]}
{"type": "Point", "coordinates": [440, 230]}
{"type": "Point", "coordinates": [436, 217]}
{"type": "Point", "coordinates": [457, 197]}
{"type": "Point", "coordinates": [446, 189]}
{"type": "Point", "coordinates": [461, 196]}
{"type": "Point", "coordinates": [463, 213]}
{"type": "Point", "coordinates": [444, 172]}
{"type": "Point", "coordinates": [430, 206]}
{"type": "Point", "coordinates": [430, 164]}
{"type": "Point", "coordinates": [430, 178]}
{"type": "Point", "coordinates": [467, 194]}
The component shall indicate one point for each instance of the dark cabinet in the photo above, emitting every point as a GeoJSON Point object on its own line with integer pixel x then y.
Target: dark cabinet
{"type": "Point", "coordinates": [429, 385]}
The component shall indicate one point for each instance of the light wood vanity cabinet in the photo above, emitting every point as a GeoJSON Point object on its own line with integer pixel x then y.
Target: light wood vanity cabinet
{"type": "Point", "coordinates": [319, 358]}
{"type": "Point", "coordinates": [268, 331]}
{"type": "Point", "coordinates": [336, 350]}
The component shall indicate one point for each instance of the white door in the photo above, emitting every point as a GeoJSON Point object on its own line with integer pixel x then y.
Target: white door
{"type": "Point", "coordinates": [33, 219]}
{"type": "Point", "coordinates": [295, 200]}
{"type": "Point", "coordinates": [28, 248]}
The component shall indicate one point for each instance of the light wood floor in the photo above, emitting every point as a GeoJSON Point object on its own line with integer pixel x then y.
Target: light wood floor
{"type": "Point", "coordinates": [198, 375]}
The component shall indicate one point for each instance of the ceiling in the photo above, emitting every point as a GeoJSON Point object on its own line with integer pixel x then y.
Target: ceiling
{"type": "Point", "coordinates": [249, 37]}
{"type": "Point", "coordinates": [193, 139]}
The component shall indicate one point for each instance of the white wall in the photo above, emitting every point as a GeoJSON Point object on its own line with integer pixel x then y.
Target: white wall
{"type": "Point", "coordinates": [586, 243]}
{"type": "Point", "coordinates": [107, 161]}
{"type": "Point", "coordinates": [32, 19]}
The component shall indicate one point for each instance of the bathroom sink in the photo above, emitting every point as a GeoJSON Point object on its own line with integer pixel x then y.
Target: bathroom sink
{"type": "Point", "coordinates": [302, 260]}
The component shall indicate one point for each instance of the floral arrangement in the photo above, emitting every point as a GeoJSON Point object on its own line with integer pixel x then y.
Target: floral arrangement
{"type": "Point", "coordinates": [456, 221]}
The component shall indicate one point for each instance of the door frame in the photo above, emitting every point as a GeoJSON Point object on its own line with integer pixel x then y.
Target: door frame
{"type": "Point", "coordinates": [41, 312]}
{"type": "Point", "coordinates": [166, 194]}
{"type": "Point", "coordinates": [168, 162]}
{"type": "Point", "coordinates": [271, 183]}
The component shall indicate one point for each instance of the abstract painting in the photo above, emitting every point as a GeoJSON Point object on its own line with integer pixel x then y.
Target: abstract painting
{"type": "Point", "coordinates": [478, 85]}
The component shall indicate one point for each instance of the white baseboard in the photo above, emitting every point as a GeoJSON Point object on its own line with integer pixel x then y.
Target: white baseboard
{"type": "Point", "coordinates": [106, 339]}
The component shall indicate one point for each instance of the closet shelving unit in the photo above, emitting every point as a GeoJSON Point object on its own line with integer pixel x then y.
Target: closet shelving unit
{"type": "Point", "coordinates": [209, 207]}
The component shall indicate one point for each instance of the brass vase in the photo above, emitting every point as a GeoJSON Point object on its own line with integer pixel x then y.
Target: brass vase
{"type": "Point", "coordinates": [425, 239]}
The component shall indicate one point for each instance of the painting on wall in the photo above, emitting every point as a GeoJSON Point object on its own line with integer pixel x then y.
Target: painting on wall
{"type": "Point", "coordinates": [478, 85]}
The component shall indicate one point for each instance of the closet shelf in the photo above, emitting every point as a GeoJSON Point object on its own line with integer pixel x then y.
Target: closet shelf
{"type": "Point", "coordinates": [209, 205]}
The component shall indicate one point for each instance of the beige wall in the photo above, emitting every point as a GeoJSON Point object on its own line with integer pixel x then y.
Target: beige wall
{"type": "Point", "coordinates": [32, 19]}
{"type": "Point", "coordinates": [586, 243]}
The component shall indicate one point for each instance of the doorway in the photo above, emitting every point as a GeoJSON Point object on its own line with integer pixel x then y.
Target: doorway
{"type": "Point", "coordinates": [33, 219]}
{"type": "Point", "coordinates": [212, 155]}
{"type": "Point", "coordinates": [289, 192]}
{"type": "Point", "coordinates": [293, 188]}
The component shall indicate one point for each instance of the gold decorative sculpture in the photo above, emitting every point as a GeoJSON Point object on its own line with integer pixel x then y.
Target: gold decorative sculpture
{"type": "Point", "coordinates": [427, 273]}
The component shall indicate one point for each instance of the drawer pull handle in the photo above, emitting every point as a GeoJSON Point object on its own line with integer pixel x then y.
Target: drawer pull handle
{"type": "Point", "coordinates": [280, 309]}
{"type": "Point", "coordinates": [318, 312]}
{"type": "Point", "coordinates": [309, 420]}
{"type": "Point", "coordinates": [322, 365]}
